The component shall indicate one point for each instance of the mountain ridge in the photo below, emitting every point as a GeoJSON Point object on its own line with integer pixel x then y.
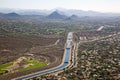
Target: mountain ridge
{"type": "Point", "coordinates": [65, 12]}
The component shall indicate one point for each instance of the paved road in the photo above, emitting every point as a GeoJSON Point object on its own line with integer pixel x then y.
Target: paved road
{"type": "Point", "coordinates": [62, 66]}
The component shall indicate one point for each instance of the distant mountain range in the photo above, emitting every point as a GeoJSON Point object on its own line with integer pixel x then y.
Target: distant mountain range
{"type": "Point", "coordinates": [10, 15]}
{"type": "Point", "coordinates": [56, 13]}
{"type": "Point", "coordinates": [53, 15]}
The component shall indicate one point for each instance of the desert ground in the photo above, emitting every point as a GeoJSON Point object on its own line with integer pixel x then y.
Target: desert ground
{"type": "Point", "coordinates": [18, 48]}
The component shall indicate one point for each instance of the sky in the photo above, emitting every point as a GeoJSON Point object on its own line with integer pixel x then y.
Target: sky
{"type": "Point", "coordinates": [95, 5]}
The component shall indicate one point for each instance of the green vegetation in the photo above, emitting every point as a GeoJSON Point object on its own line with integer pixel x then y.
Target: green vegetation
{"type": "Point", "coordinates": [3, 72]}
{"type": "Point", "coordinates": [3, 66]}
{"type": "Point", "coordinates": [35, 64]}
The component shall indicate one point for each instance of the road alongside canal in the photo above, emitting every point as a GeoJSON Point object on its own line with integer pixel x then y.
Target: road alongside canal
{"type": "Point", "coordinates": [64, 64]}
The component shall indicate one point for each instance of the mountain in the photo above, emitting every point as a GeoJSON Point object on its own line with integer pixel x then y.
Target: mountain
{"type": "Point", "coordinates": [26, 11]}
{"type": "Point", "coordinates": [60, 11]}
{"type": "Point", "coordinates": [56, 15]}
{"type": "Point", "coordinates": [11, 15]}
{"type": "Point", "coordinates": [73, 17]}
{"type": "Point", "coordinates": [8, 15]}
{"type": "Point", "coordinates": [1, 14]}
{"type": "Point", "coordinates": [82, 13]}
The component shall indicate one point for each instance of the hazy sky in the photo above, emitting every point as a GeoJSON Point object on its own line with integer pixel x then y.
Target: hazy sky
{"type": "Point", "coordinates": [96, 5]}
